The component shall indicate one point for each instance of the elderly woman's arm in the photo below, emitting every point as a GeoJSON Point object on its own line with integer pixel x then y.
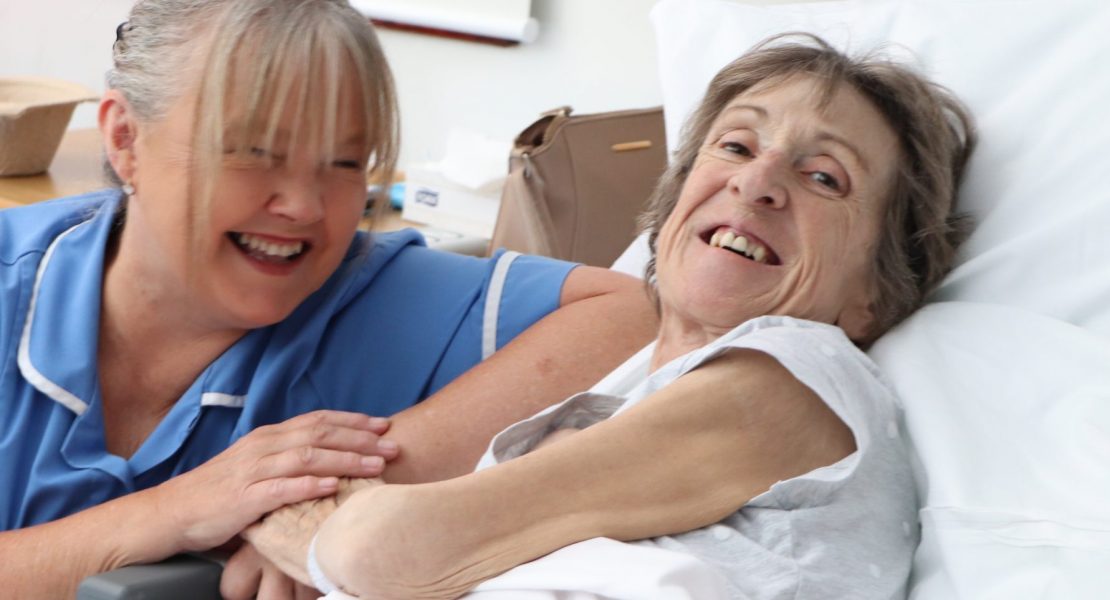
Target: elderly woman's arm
{"type": "Point", "coordinates": [603, 318]}
{"type": "Point", "coordinates": [683, 458]}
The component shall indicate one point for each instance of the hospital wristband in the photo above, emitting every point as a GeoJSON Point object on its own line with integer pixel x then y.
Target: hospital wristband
{"type": "Point", "coordinates": [315, 573]}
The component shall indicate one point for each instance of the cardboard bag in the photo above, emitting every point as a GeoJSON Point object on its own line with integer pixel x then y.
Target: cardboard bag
{"type": "Point", "coordinates": [577, 183]}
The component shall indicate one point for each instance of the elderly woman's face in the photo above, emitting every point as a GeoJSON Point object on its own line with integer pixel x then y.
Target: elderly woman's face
{"type": "Point", "coordinates": [280, 220]}
{"type": "Point", "coordinates": [781, 211]}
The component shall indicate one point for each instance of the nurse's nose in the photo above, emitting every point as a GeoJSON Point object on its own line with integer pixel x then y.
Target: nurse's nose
{"type": "Point", "coordinates": [298, 198]}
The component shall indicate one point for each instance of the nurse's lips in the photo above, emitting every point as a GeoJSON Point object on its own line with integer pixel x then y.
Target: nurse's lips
{"type": "Point", "coordinates": [270, 249]}
{"type": "Point", "coordinates": [745, 244]}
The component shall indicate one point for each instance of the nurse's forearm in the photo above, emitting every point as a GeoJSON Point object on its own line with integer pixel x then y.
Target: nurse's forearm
{"type": "Point", "coordinates": [49, 561]}
{"type": "Point", "coordinates": [205, 507]}
{"type": "Point", "coordinates": [604, 319]}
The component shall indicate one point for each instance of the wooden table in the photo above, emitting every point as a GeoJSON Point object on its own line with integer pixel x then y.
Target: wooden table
{"type": "Point", "coordinates": [77, 168]}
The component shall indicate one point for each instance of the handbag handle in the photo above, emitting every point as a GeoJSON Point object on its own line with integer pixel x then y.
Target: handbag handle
{"type": "Point", "coordinates": [536, 134]}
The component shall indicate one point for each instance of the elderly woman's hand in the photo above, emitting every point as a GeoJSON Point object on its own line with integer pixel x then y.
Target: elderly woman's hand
{"type": "Point", "coordinates": [248, 575]}
{"type": "Point", "coordinates": [284, 535]}
{"type": "Point", "coordinates": [300, 459]}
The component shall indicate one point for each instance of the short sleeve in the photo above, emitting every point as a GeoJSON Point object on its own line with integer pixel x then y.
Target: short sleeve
{"type": "Point", "coordinates": [823, 359]}
{"type": "Point", "coordinates": [515, 292]}
{"type": "Point", "coordinates": [531, 290]}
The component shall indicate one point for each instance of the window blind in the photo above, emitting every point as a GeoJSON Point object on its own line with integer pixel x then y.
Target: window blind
{"type": "Point", "coordinates": [505, 21]}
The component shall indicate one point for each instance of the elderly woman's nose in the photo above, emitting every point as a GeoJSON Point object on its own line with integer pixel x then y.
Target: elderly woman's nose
{"type": "Point", "coordinates": [762, 181]}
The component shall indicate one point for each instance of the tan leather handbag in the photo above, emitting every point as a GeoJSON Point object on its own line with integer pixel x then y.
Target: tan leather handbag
{"type": "Point", "coordinates": [577, 183]}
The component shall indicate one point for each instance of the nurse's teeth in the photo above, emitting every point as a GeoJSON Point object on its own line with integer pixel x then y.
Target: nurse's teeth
{"type": "Point", "coordinates": [278, 250]}
{"type": "Point", "coordinates": [727, 239]}
{"type": "Point", "coordinates": [715, 239]}
{"type": "Point", "coordinates": [759, 254]}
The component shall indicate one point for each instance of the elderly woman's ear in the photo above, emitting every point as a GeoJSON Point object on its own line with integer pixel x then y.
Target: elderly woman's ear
{"type": "Point", "coordinates": [119, 130]}
{"type": "Point", "coordinates": [857, 319]}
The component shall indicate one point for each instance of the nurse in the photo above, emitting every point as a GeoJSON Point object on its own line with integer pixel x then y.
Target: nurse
{"type": "Point", "coordinates": [204, 344]}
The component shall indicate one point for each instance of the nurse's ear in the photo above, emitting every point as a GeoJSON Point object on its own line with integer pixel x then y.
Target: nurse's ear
{"type": "Point", "coordinates": [119, 130]}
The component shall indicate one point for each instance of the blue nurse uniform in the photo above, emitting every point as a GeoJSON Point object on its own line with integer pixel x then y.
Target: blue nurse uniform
{"type": "Point", "coordinates": [396, 322]}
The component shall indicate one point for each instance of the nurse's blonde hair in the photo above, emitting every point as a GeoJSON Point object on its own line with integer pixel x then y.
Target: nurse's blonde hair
{"type": "Point", "coordinates": [280, 56]}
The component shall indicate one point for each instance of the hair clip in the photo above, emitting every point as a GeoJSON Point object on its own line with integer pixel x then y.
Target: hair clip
{"type": "Point", "coordinates": [120, 30]}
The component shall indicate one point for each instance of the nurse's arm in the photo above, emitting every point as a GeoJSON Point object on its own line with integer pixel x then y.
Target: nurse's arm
{"type": "Point", "coordinates": [603, 318]}
{"type": "Point", "coordinates": [270, 467]}
{"type": "Point", "coordinates": [50, 560]}
{"type": "Point", "coordinates": [683, 458]}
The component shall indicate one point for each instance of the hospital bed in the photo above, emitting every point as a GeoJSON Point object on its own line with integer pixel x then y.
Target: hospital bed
{"type": "Point", "coordinates": [1005, 374]}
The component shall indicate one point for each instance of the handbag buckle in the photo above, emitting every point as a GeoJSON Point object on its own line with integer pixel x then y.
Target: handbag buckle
{"type": "Point", "coordinates": [560, 111]}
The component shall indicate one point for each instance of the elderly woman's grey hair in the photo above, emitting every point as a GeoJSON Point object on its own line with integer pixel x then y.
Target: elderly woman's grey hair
{"type": "Point", "coordinates": [266, 56]}
{"type": "Point", "coordinates": [921, 228]}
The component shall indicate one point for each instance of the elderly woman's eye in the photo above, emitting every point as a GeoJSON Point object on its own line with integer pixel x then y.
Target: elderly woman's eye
{"type": "Point", "coordinates": [736, 148]}
{"type": "Point", "coordinates": [826, 180]}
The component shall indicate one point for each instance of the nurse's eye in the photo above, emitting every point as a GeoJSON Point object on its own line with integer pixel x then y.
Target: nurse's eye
{"type": "Point", "coordinates": [249, 157]}
{"type": "Point", "coordinates": [353, 165]}
{"type": "Point", "coordinates": [824, 179]}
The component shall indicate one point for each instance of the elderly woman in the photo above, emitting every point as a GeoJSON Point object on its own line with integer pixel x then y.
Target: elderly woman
{"type": "Point", "coordinates": [808, 209]}
{"type": "Point", "coordinates": [158, 341]}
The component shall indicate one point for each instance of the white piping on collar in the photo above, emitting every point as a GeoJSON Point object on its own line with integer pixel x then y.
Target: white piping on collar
{"type": "Point", "coordinates": [221, 399]}
{"type": "Point", "coordinates": [37, 379]}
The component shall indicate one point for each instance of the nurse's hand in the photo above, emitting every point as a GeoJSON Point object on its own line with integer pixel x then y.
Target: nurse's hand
{"type": "Point", "coordinates": [283, 536]}
{"type": "Point", "coordinates": [300, 459]}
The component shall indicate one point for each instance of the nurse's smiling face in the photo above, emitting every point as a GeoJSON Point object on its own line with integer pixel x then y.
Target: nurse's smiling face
{"type": "Point", "coordinates": [281, 215]}
{"type": "Point", "coordinates": [780, 213]}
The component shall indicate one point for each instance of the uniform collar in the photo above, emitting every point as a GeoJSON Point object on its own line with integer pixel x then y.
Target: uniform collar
{"type": "Point", "coordinates": [57, 348]}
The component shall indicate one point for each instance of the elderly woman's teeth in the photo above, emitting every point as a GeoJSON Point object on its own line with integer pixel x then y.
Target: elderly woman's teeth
{"type": "Point", "coordinates": [740, 245]}
{"type": "Point", "coordinates": [259, 246]}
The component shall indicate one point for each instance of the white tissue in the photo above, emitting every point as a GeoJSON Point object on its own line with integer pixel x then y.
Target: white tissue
{"type": "Point", "coordinates": [474, 160]}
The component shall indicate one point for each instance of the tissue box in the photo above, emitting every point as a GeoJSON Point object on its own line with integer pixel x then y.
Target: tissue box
{"type": "Point", "coordinates": [432, 198]}
{"type": "Point", "coordinates": [34, 113]}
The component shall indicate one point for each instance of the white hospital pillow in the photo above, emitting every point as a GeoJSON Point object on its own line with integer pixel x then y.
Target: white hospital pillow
{"type": "Point", "coordinates": [1004, 377]}
{"type": "Point", "coordinates": [1008, 413]}
{"type": "Point", "coordinates": [634, 258]}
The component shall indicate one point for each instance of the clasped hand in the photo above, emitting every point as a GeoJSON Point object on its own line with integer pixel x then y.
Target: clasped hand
{"type": "Point", "coordinates": [272, 466]}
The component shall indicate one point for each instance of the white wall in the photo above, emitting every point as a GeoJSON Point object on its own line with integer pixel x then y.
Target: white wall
{"type": "Point", "coordinates": [594, 55]}
{"type": "Point", "coordinates": [68, 39]}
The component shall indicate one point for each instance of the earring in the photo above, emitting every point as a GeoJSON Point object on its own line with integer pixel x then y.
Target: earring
{"type": "Point", "coordinates": [128, 189]}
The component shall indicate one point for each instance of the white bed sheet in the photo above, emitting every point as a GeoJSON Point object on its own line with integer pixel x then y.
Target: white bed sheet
{"type": "Point", "coordinates": [602, 569]}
